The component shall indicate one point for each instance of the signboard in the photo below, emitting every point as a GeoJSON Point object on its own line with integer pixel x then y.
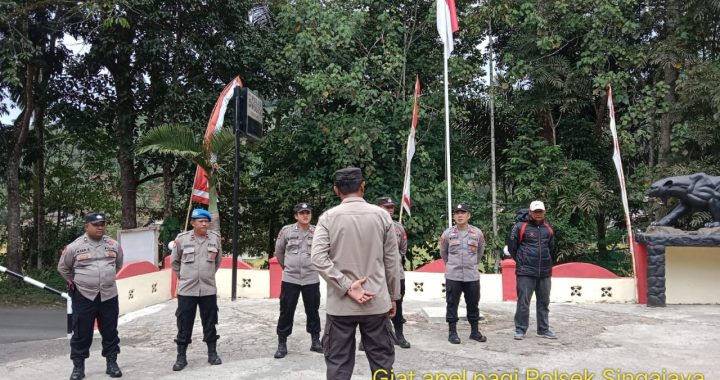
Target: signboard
{"type": "Point", "coordinates": [249, 113]}
{"type": "Point", "coordinates": [139, 244]}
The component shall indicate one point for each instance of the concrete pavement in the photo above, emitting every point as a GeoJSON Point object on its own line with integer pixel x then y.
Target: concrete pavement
{"type": "Point", "coordinates": [608, 341]}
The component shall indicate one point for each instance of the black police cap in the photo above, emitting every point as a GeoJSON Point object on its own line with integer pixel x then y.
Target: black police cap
{"type": "Point", "coordinates": [385, 201]}
{"type": "Point", "coordinates": [303, 206]}
{"type": "Point", "coordinates": [94, 217]}
{"type": "Point", "coordinates": [349, 174]}
{"type": "Point", "coordinates": [461, 207]}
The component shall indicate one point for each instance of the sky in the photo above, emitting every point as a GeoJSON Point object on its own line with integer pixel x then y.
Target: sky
{"type": "Point", "coordinates": [78, 47]}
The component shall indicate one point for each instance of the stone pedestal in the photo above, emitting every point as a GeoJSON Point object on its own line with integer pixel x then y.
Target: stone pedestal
{"type": "Point", "coordinates": [657, 240]}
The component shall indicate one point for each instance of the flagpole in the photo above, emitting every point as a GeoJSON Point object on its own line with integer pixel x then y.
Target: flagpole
{"type": "Point", "coordinates": [187, 218]}
{"type": "Point", "coordinates": [402, 197]}
{"type": "Point", "coordinates": [617, 159]}
{"type": "Point", "coordinates": [447, 144]}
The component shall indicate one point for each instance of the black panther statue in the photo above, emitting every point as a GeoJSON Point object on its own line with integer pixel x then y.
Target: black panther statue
{"type": "Point", "coordinates": [696, 192]}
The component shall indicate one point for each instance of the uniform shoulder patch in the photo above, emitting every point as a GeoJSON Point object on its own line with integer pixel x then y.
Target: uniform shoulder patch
{"type": "Point", "coordinates": [213, 232]}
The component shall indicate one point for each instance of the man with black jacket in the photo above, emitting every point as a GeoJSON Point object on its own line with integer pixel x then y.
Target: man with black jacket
{"type": "Point", "coordinates": [531, 243]}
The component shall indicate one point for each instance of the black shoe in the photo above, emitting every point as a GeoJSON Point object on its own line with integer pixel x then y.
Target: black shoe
{"type": "Point", "coordinates": [400, 338]}
{"type": "Point", "coordinates": [213, 357]}
{"type": "Point", "coordinates": [476, 335]}
{"type": "Point", "coordinates": [475, 332]}
{"type": "Point", "coordinates": [452, 334]}
{"type": "Point", "coordinates": [78, 371]}
{"type": "Point", "coordinates": [282, 348]}
{"type": "Point", "coordinates": [112, 367]}
{"type": "Point", "coordinates": [315, 344]}
{"type": "Point", "coordinates": [181, 361]}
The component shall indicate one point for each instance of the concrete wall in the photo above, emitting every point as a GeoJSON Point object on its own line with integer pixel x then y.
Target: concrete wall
{"type": "Point", "coordinates": [251, 283]}
{"type": "Point", "coordinates": [143, 290]}
{"type": "Point", "coordinates": [692, 275]}
{"type": "Point", "coordinates": [428, 286]}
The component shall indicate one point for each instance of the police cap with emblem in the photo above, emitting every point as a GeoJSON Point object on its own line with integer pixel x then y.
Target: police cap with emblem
{"type": "Point", "coordinates": [461, 207]}
{"type": "Point", "coordinates": [199, 213]}
{"type": "Point", "coordinates": [95, 217]}
{"type": "Point", "coordinates": [303, 206]}
{"type": "Point", "coordinates": [385, 202]}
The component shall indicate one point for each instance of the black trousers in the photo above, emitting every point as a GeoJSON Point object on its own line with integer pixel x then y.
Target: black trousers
{"type": "Point", "coordinates": [471, 290]}
{"type": "Point", "coordinates": [85, 312]}
{"type": "Point", "coordinates": [185, 314]}
{"type": "Point", "coordinates": [526, 285]}
{"type": "Point", "coordinates": [289, 295]}
{"type": "Point", "coordinates": [398, 318]}
{"type": "Point", "coordinates": [339, 344]}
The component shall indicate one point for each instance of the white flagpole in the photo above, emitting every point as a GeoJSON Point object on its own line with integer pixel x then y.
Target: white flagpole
{"type": "Point", "coordinates": [621, 179]}
{"type": "Point", "coordinates": [447, 144]}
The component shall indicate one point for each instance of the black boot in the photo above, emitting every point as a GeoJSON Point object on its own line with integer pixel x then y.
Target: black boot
{"type": "Point", "coordinates": [181, 360]}
{"type": "Point", "coordinates": [315, 344]}
{"type": "Point", "coordinates": [475, 332]}
{"type": "Point", "coordinates": [112, 367]}
{"type": "Point", "coordinates": [213, 357]}
{"type": "Point", "coordinates": [78, 371]}
{"type": "Point", "coordinates": [401, 341]}
{"type": "Point", "coordinates": [452, 333]}
{"type": "Point", "coordinates": [282, 347]}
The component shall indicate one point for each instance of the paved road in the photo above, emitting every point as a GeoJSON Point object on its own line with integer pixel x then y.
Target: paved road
{"type": "Point", "coordinates": [608, 341]}
{"type": "Point", "coordinates": [28, 324]}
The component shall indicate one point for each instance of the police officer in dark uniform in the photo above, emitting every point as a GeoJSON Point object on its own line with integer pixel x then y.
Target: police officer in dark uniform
{"type": "Point", "coordinates": [461, 248]}
{"type": "Point", "coordinates": [292, 249]}
{"type": "Point", "coordinates": [195, 259]}
{"type": "Point", "coordinates": [89, 265]}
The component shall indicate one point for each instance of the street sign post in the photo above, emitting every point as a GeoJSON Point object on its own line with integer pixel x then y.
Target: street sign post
{"type": "Point", "coordinates": [248, 122]}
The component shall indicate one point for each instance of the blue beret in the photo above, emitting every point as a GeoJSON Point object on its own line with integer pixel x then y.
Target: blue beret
{"type": "Point", "coordinates": [199, 213]}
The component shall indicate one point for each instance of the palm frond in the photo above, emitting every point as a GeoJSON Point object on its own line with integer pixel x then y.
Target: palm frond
{"type": "Point", "coordinates": [171, 139]}
{"type": "Point", "coordinates": [223, 144]}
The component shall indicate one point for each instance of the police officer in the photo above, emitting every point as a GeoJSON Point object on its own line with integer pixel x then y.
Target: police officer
{"type": "Point", "coordinates": [195, 259]}
{"type": "Point", "coordinates": [461, 248]}
{"type": "Point", "coordinates": [89, 265]}
{"type": "Point", "coordinates": [355, 250]}
{"type": "Point", "coordinates": [388, 205]}
{"type": "Point", "coordinates": [292, 249]}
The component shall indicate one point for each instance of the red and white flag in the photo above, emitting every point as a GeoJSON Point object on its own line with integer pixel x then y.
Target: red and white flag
{"type": "Point", "coordinates": [619, 168]}
{"type": "Point", "coordinates": [201, 190]}
{"type": "Point", "coordinates": [447, 23]}
{"type": "Point", "coordinates": [410, 152]}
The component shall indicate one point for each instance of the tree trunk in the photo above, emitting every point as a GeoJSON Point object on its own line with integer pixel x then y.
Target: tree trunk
{"type": "Point", "coordinates": [39, 190]}
{"type": "Point", "coordinates": [652, 132]}
{"type": "Point", "coordinates": [120, 65]}
{"type": "Point", "coordinates": [548, 126]}
{"type": "Point", "coordinates": [14, 246]}
{"type": "Point", "coordinates": [670, 76]}
{"type": "Point", "coordinates": [601, 233]}
{"type": "Point", "coordinates": [168, 191]}
{"type": "Point", "coordinates": [601, 113]}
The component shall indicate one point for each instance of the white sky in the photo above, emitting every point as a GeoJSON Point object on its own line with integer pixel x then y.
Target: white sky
{"type": "Point", "coordinates": [77, 47]}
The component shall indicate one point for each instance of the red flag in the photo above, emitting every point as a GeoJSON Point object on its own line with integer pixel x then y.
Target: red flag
{"type": "Point", "coordinates": [410, 149]}
{"type": "Point", "coordinates": [447, 23]}
{"type": "Point", "coordinates": [201, 190]}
